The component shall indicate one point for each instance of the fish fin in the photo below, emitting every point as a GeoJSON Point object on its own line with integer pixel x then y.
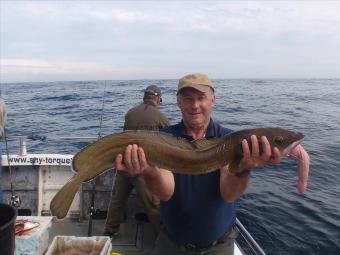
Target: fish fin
{"type": "Point", "coordinates": [233, 167]}
{"type": "Point", "coordinates": [172, 140]}
{"type": "Point", "coordinates": [205, 143]}
{"type": "Point", "coordinates": [180, 142]}
{"type": "Point", "coordinates": [62, 201]}
{"type": "Point", "coordinates": [235, 162]}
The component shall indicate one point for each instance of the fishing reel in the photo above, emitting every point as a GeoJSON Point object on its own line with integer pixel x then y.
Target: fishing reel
{"type": "Point", "coordinates": [15, 201]}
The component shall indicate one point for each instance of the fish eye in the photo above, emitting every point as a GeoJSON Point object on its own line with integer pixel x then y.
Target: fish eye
{"type": "Point", "coordinates": [278, 140]}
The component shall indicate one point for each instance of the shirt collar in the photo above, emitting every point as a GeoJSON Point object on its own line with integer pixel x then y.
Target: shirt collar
{"type": "Point", "coordinates": [210, 131]}
{"type": "Point", "coordinates": [209, 134]}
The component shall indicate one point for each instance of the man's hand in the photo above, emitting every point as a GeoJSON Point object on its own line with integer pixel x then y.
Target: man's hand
{"type": "Point", "coordinates": [160, 181]}
{"type": "Point", "coordinates": [254, 158]}
{"type": "Point", "coordinates": [134, 161]}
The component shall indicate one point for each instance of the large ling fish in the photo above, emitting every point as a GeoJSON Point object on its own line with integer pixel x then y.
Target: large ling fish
{"type": "Point", "coordinates": [166, 151]}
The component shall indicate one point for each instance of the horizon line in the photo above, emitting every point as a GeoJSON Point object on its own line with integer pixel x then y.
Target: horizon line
{"type": "Point", "coordinates": [150, 79]}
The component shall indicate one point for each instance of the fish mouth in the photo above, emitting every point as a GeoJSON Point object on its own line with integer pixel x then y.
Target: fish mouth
{"type": "Point", "coordinates": [287, 150]}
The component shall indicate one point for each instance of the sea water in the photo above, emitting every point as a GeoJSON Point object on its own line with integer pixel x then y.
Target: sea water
{"type": "Point", "coordinates": [282, 220]}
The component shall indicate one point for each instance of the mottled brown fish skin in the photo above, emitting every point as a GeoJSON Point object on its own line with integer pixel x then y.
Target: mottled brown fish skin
{"type": "Point", "coordinates": [166, 151]}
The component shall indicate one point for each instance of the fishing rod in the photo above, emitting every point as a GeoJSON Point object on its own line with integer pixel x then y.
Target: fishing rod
{"type": "Point", "coordinates": [14, 199]}
{"type": "Point", "coordinates": [92, 210]}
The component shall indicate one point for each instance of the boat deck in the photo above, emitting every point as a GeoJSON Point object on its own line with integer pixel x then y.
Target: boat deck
{"type": "Point", "coordinates": [134, 237]}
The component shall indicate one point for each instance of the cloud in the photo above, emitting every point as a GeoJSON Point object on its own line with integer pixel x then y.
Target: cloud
{"type": "Point", "coordinates": [113, 38]}
{"type": "Point", "coordinates": [217, 16]}
{"type": "Point", "coordinates": [73, 70]}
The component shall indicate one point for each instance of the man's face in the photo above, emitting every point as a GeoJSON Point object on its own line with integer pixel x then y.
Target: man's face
{"type": "Point", "coordinates": [196, 107]}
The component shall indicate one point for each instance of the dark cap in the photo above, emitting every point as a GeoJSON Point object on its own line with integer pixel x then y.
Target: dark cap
{"type": "Point", "coordinates": [152, 91]}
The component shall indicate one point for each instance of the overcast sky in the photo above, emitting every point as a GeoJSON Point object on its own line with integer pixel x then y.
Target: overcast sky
{"type": "Point", "coordinates": [113, 40]}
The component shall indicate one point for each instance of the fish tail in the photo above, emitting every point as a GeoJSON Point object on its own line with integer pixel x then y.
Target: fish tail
{"type": "Point", "coordinates": [62, 201]}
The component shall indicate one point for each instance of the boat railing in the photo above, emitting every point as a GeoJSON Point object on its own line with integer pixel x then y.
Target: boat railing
{"type": "Point", "coordinates": [34, 137]}
{"type": "Point", "coordinates": [249, 240]}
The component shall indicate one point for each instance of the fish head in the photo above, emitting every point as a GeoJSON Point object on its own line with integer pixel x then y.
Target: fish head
{"type": "Point", "coordinates": [284, 140]}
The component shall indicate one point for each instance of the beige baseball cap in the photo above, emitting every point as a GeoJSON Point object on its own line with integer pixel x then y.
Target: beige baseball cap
{"type": "Point", "coordinates": [197, 81]}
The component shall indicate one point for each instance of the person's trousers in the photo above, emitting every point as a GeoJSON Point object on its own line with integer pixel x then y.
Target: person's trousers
{"type": "Point", "coordinates": [166, 246]}
{"type": "Point", "coordinates": [123, 186]}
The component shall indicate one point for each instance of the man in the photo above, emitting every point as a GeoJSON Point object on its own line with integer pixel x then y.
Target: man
{"type": "Point", "coordinates": [145, 116]}
{"type": "Point", "coordinates": [198, 211]}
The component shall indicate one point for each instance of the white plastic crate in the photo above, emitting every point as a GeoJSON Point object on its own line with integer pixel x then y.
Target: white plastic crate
{"type": "Point", "coordinates": [62, 244]}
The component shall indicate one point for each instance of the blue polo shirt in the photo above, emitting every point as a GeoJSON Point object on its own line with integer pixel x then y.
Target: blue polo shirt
{"type": "Point", "coordinates": [197, 213]}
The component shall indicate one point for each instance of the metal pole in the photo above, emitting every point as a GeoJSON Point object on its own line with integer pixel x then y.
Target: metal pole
{"type": "Point", "coordinates": [249, 239]}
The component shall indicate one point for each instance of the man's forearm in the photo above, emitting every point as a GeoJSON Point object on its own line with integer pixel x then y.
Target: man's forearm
{"type": "Point", "coordinates": [232, 186]}
{"type": "Point", "coordinates": [161, 183]}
